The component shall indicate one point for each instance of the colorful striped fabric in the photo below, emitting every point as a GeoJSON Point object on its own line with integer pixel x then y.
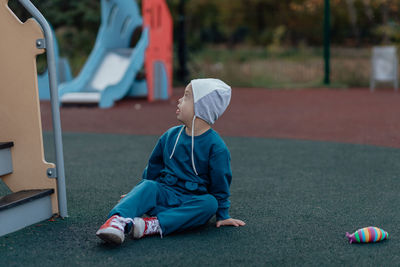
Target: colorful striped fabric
{"type": "Point", "coordinates": [368, 235]}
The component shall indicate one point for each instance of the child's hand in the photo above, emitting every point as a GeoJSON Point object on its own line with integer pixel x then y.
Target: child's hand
{"type": "Point", "coordinates": [232, 222]}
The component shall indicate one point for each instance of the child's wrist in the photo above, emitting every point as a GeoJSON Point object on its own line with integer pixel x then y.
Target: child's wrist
{"type": "Point", "coordinates": [223, 214]}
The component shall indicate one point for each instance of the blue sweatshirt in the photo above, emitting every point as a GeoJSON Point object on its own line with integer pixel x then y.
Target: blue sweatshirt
{"type": "Point", "coordinates": [211, 160]}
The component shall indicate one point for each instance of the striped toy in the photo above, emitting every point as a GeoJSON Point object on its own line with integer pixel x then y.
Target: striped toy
{"type": "Point", "coordinates": [368, 235]}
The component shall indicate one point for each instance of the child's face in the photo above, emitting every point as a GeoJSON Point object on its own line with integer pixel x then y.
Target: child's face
{"type": "Point", "coordinates": [185, 111]}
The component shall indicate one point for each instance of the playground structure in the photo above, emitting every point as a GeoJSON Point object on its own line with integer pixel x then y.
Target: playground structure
{"type": "Point", "coordinates": [64, 73]}
{"type": "Point", "coordinates": [38, 187]}
{"type": "Point", "coordinates": [158, 64]}
{"type": "Point", "coordinates": [110, 72]}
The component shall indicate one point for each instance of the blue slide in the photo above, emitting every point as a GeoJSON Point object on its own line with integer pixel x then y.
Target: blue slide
{"type": "Point", "coordinates": [109, 73]}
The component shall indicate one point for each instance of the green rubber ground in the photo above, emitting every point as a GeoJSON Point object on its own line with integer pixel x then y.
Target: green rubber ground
{"type": "Point", "coordinates": [298, 199]}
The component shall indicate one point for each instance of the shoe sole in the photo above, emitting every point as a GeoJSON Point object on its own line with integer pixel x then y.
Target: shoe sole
{"type": "Point", "coordinates": [112, 236]}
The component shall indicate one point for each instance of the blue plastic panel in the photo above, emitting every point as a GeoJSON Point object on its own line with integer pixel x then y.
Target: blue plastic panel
{"type": "Point", "coordinates": [64, 74]}
{"type": "Point", "coordinates": [160, 81]}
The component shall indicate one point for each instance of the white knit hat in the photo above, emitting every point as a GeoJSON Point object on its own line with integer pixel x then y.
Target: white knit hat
{"type": "Point", "coordinates": [211, 98]}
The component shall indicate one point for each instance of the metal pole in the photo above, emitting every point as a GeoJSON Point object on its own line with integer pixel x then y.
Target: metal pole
{"type": "Point", "coordinates": [51, 64]}
{"type": "Point", "coordinates": [327, 41]}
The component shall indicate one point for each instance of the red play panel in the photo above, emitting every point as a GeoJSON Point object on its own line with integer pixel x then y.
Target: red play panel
{"type": "Point", "coordinates": [157, 18]}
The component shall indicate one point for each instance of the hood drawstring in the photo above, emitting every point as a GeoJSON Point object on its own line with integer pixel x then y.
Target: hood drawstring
{"type": "Point", "coordinates": [193, 166]}
{"type": "Point", "coordinates": [176, 142]}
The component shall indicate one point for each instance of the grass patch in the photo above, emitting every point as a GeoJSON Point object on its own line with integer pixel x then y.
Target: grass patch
{"type": "Point", "coordinates": [285, 68]}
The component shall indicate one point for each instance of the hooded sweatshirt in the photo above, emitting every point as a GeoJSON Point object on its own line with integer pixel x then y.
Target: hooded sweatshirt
{"type": "Point", "coordinates": [212, 160]}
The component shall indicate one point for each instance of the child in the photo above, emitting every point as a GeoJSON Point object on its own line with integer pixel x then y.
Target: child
{"type": "Point", "coordinates": [188, 175]}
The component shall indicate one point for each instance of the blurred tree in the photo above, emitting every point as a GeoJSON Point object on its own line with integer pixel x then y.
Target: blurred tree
{"type": "Point", "coordinates": [250, 22]}
{"type": "Point", "coordinates": [353, 20]}
{"type": "Point", "coordinates": [253, 22]}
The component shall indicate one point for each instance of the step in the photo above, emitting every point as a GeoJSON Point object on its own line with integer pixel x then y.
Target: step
{"type": "Point", "coordinates": [24, 208]}
{"type": "Point", "coordinates": [5, 158]}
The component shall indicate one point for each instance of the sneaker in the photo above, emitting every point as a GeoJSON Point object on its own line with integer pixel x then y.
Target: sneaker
{"type": "Point", "coordinates": [113, 230]}
{"type": "Point", "coordinates": [146, 226]}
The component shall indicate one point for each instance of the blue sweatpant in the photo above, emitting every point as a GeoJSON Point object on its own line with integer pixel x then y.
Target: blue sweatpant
{"type": "Point", "coordinates": [175, 211]}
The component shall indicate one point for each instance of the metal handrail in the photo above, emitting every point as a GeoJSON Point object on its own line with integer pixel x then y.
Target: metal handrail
{"type": "Point", "coordinates": [51, 63]}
